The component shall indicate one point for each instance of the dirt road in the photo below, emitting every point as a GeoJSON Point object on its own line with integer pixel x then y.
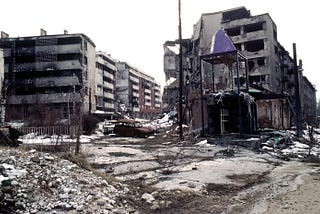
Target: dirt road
{"type": "Point", "coordinates": [190, 179]}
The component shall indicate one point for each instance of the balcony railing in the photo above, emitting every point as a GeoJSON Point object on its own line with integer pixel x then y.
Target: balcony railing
{"type": "Point", "coordinates": [44, 98]}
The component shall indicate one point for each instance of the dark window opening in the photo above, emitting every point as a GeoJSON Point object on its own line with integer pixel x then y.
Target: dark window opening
{"type": "Point", "coordinates": [25, 43]}
{"type": "Point", "coordinates": [261, 61]}
{"type": "Point", "coordinates": [69, 40]}
{"type": "Point", "coordinates": [251, 65]}
{"type": "Point", "coordinates": [276, 50]}
{"type": "Point", "coordinates": [275, 36]}
{"type": "Point", "coordinates": [238, 46]}
{"type": "Point", "coordinates": [85, 45]}
{"type": "Point", "coordinates": [235, 14]}
{"type": "Point", "coordinates": [253, 27]}
{"type": "Point", "coordinates": [253, 46]}
{"type": "Point", "coordinates": [233, 31]}
{"type": "Point", "coordinates": [260, 79]}
{"type": "Point", "coordinates": [5, 44]}
{"type": "Point", "coordinates": [66, 57]}
{"type": "Point", "coordinates": [242, 81]}
{"type": "Point", "coordinates": [25, 59]}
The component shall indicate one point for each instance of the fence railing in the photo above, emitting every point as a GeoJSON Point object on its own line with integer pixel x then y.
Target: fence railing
{"type": "Point", "coordinates": [49, 130]}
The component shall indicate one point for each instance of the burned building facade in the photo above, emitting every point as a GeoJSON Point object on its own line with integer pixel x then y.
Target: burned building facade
{"type": "Point", "coordinates": [269, 68]}
{"type": "Point", "coordinates": [138, 95]}
{"type": "Point", "coordinates": [48, 77]}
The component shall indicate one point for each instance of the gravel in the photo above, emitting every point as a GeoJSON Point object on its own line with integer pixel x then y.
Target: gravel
{"type": "Point", "coordinates": [37, 182]}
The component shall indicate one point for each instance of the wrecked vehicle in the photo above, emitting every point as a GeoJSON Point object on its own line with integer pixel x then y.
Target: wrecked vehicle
{"type": "Point", "coordinates": [131, 128]}
{"type": "Point", "coordinates": [108, 126]}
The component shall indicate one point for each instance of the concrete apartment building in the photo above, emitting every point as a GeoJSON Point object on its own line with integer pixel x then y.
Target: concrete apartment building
{"type": "Point", "coordinates": [48, 73]}
{"type": "Point", "coordinates": [105, 85]}
{"type": "Point", "coordinates": [269, 67]}
{"type": "Point", "coordinates": [138, 94]}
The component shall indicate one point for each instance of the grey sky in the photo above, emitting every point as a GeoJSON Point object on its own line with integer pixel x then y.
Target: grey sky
{"type": "Point", "coordinates": [135, 30]}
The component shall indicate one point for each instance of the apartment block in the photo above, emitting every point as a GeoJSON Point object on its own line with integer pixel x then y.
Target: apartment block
{"type": "Point", "coordinates": [49, 73]}
{"type": "Point", "coordinates": [138, 94]}
{"type": "Point", "coordinates": [105, 85]}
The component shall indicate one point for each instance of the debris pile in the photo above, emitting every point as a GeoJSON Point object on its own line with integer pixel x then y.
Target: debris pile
{"type": "Point", "coordinates": [284, 145]}
{"type": "Point", "coordinates": [32, 182]}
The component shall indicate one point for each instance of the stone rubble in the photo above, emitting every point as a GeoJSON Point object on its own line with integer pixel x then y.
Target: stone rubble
{"type": "Point", "coordinates": [36, 182]}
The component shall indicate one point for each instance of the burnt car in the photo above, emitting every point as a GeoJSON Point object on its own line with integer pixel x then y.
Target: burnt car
{"type": "Point", "coordinates": [131, 128]}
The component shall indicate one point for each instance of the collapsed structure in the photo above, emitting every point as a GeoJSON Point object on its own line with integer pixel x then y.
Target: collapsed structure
{"type": "Point", "coordinates": [228, 92]}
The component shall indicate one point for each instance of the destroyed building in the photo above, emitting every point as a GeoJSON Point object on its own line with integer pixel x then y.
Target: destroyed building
{"type": "Point", "coordinates": [138, 95]}
{"type": "Point", "coordinates": [105, 85]}
{"type": "Point", "coordinates": [270, 79]}
{"type": "Point", "coordinates": [48, 73]}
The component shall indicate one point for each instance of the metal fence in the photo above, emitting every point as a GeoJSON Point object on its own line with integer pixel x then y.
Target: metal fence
{"type": "Point", "coordinates": [49, 130]}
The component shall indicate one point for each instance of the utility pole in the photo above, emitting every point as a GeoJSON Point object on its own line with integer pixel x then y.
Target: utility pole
{"type": "Point", "coordinates": [180, 72]}
{"type": "Point", "coordinates": [297, 94]}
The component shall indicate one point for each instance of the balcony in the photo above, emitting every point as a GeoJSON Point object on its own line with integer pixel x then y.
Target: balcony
{"type": "Point", "coordinates": [59, 49]}
{"type": "Point", "coordinates": [147, 91]}
{"type": "Point", "coordinates": [157, 100]}
{"type": "Point", "coordinates": [56, 81]}
{"type": "Point", "coordinates": [108, 85]}
{"type": "Point", "coordinates": [109, 105]}
{"type": "Point", "coordinates": [135, 94]}
{"type": "Point", "coordinates": [147, 97]}
{"type": "Point", "coordinates": [108, 95]}
{"type": "Point", "coordinates": [44, 66]}
{"type": "Point", "coordinates": [44, 98]}
{"type": "Point", "coordinates": [108, 75]}
{"type": "Point", "coordinates": [134, 79]}
{"type": "Point", "coordinates": [135, 87]}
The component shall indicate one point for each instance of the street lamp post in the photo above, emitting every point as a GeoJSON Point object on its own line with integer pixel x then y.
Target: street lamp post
{"type": "Point", "coordinates": [180, 72]}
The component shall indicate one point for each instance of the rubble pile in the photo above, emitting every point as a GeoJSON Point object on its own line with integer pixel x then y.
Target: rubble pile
{"type": "Point", "coordinates": [284, 145]}
{"type": "Point", "coordinates": [36, 182]}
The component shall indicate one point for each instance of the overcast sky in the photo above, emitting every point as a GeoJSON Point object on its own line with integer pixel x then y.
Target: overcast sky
{"type": "Point", "coordinates": [135, 30]}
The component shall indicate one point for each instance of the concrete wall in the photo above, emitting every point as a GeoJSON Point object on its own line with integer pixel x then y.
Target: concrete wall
{"type": "Point", "coordinates": [89, 81]}
{"type": "Point", "coordinates": [273, 114]}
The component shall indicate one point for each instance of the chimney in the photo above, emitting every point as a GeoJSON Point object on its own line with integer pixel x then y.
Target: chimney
{"type": "Point", "coordinates": [43, 32]}
{"type": "Point", "coordinates": [4, 35]}
{"type": "Point", "coordinates": [65, 32]}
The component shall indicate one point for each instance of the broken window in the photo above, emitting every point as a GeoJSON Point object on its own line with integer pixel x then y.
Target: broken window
{"type": "Point", "coordinates": [254, 46]}
{"type": "Point", "coordinates": [253, 27]}
{"type": "Point", "coordinates": [233, 31]}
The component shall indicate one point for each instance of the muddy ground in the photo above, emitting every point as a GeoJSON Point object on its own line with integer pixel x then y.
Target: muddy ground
{"type": "Point", "coordinates": [184, 177]}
